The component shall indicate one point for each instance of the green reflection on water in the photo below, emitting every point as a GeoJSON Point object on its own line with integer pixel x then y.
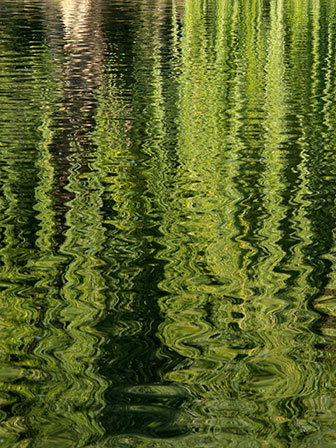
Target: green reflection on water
{"type": "Point", "coordinates": [167, 223]}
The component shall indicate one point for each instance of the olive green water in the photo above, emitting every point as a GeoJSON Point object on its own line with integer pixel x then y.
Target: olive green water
{"type": "Point", "coordinates": [167, 223]}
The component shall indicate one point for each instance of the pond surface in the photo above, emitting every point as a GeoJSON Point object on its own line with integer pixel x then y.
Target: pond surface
{"type": "Point", "coordinates": [167, 223]}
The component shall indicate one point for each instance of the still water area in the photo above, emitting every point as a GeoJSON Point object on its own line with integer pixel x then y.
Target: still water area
{"type": "Point", "coordinates": [167, 223]}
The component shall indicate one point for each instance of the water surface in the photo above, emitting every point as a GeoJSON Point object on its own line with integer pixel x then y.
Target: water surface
{"type": "Point", "coordinates": [167, 223]}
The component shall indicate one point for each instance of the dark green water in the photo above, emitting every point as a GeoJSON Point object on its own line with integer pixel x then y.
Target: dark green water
{"type": "Point", "coordinates": [167, 223]}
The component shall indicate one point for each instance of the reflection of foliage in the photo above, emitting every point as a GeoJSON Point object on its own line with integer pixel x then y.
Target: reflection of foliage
{"type": "Point", "coordinates": [238, 277]}
{"type": "Point", "coordinates": [51, 298]}
{"type": "Point", "coordinates": [195, 241]}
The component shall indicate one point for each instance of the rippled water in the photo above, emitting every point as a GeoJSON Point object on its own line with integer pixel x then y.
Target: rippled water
{"type": "Point", "coordinates": [167, 221]}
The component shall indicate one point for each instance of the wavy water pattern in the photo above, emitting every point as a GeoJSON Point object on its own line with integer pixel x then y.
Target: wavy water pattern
{"type": "Point", "coordinates": [167, 223]}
